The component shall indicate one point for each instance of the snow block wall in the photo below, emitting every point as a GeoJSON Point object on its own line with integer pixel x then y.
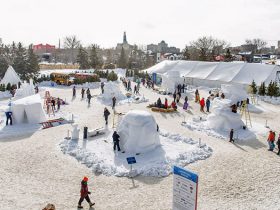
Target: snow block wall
{"type": "Point", "coordinates": [28, 110]}
{"type": "Point", "coordinates": [138, 132]}
{"type": "Point", "coordinates": [222, 118]}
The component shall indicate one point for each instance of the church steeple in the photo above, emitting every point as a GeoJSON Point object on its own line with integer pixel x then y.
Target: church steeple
{"type": "Point", "coordinates": [124, 38]}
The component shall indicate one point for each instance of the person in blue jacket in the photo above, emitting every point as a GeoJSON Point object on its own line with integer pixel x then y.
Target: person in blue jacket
{"type": "Point", "coordinates": [207, 104]}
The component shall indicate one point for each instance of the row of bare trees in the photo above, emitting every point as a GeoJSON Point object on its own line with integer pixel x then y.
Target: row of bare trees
{"type": "Point", "coordinates": [206, 48]}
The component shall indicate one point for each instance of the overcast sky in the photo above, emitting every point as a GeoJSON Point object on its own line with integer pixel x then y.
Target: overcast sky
{"type": "Point", "coordinates": [145, 21]}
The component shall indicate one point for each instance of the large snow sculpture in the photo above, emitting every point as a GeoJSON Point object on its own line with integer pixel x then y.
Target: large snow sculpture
{"type": "Point", "coordinates": [222, 118]}
{"type": "Point", "coordinates": [138, 132]}
{"type": "Point", "coordinates": [111, 89]}
{"type": "Point", "coordinates": [234, 92]}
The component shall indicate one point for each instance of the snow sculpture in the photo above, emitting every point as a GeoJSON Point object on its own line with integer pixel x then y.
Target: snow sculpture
{"type": "Point", "coordinates": [27, 89]}
{"type": "Point", "coordinates": [75, 132]}
{"type": "Point", "coordinates": [138, 132]}
{"type": "Point", "coordinates": [222, 118]}
{"type": "Point", "coordinates": [112, 89]}
{"type": "Point", "coordinates": [234, 92]}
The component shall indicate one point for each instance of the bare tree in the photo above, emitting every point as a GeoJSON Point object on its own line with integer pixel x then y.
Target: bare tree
{"type": "Point", "coordinates": [208, 47]}
{"type": "Point", "coordinates": [71, 42]}
{"type": "Point", "coordinates": [256, 45]}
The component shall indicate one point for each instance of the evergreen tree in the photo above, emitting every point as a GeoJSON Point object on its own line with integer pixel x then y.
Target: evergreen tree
{"type": "Point", "coordinates": [94, 62]}
{"type": "Point", "coordinates": [32, 62]}
{"type": "Point", "coordinates": [270, 91]}
{"type": "Point", "coordinates": [254, 87]}
{"type": "Point", "coordinates": [186, 53]}
{"type": "Point", "coordinates": [82, 58]}
{"type": "Point", "coordinates": [262, 89]}
{"type": "Point", "coordinates": [275, 88]}
{"type": "Point", "coordinates": [112, 76]}
{"type": "Point", "coordinates": [122, 63]}
{"type": "Point", "coordinates": [20, 61]}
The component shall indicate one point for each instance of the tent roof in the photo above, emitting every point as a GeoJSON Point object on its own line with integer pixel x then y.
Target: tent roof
{"type": "Point", "coordinates": [243, 73]}
{"type": "Point", "coordinates": [10, 77]}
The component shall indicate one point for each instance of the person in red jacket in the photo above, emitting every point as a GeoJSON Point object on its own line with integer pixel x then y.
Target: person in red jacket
{"type": "Point", "coordinates": [270, 140]}
{"type": "Point", "coordinates": [84, 193]}
{"type": "Point", "coordinates": [165, 103]}
{"type": "Point", "coordinates": [202, 105]}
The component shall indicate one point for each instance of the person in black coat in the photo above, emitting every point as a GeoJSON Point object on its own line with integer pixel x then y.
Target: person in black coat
{"type": "Point", "coordinates": [174, 96]}
{"type": "Point", "coordinates": [106, 115]}
{"type": "Point", "coordinates": [116, 140]}
{"type": "Point", "coordinates": [231, 136]}
{"type": "Point", "coordinates": [114, 102]}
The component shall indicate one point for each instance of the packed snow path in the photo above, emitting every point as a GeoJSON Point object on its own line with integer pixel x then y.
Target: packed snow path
{"type": "Point", "coordinates": [34, 171]}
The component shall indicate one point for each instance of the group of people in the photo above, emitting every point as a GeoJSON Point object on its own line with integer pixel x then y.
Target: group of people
{"type": "Point", "coordinates": [51, 103]}
{"type": "Point", "coordinates": [83, 91]}
{"type": "Point", "coordinates": [202, 101]}
{"type": "Point", "coordinates": [271, 139]}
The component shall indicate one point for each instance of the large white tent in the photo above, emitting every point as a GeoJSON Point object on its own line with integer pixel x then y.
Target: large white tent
{"type": "Point", "coordinates": [213, 74]}
{"type": "Point", "coordinates": [10, 77]}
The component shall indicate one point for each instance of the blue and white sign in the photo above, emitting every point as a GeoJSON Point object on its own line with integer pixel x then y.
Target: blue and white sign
{"type": "Point", "coordinates": [131, 160]}
{"type": "Point", "coordinates": [185, 185]}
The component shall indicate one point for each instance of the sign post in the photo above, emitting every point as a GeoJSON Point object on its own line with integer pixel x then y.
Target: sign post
{"type": "Point", "coordinates": [131, 161]}
{"type": "Point", "coordinates": [185, 185]}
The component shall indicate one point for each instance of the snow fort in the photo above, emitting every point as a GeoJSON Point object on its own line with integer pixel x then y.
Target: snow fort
{"type": "Point", "coordinates": [138, 132]}
{"type": "Point", "coordinates": [222, 118]}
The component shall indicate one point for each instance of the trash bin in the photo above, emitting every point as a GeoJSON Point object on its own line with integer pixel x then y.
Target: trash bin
{"type": "Point", "coordinates": [85, 132]}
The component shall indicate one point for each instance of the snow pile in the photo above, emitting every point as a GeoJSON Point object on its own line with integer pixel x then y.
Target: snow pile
{"type": "Point", "coordinates": [111, 89]}
{"type": "Point", "coordinates": [222, 118]}
{"type": "Point", "coordinates": [155, 152]}
{"type": "Point", "coordinates": [220, 121]}
{"type": "Point", "coordinates": [28, 110]}
{"type": "Point", "coordinates": [137, 99]}
{"type": "Point", "coordinates": [170, 80]}
{"type": "Point", "coordinates": [234, 92]}
{"type": "Point", "coordinates": [131, 129]}
{"type": "Point", "coordinates": [26, 89]}
{"type": "Point", "coordinates": [5, 94]}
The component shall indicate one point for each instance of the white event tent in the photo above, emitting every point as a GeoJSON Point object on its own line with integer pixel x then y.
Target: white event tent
{"type": "Point", "coordinates": [213, 74]}
{"type": "Point", "coordinates": [10, 77]}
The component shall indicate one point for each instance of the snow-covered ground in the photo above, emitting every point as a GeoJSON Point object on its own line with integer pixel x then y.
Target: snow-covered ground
{"type": "Point", "coordinates": [34, 171]}
{"type": "Point", "coordinates": [97, 154]}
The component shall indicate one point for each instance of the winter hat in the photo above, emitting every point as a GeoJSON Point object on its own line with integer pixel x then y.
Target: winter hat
{"type": "Point", "coordinates": [85, 179]}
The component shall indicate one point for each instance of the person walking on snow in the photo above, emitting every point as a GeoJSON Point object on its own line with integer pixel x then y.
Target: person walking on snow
{"type": "Point", "coordinates": [9, 118]}
{"type": "Point", "coordinates": [231, 136]}
{"type": "Point", "coordinates": [88, 91]}
{"type": "Point", "coordinates": [202, 104]}
{"type": "Point", "coordinates": [207, 104]}
{"type": "Point", "coordinates": [135, 89]}
{"type": "Point", "coordinates": [102, 87]}
{"type": "Point", "coordinates": [116, 141]}
{"type": "Point", "coordinates": [74, 91]}
{"type": "Point", "coordinates": [83, 93]}
{"type": "Point", "coordinates": [89, 98]}
{"type": "Point", "coordinates": [165, 103]}
{"type": "Point", "coordinates": [58, 104]}
{"type": "Point", "coordinates": [106, 115]}
{"type": "Point", "coordinates": [270, 140]}
{"type": "Point", "coordinates": [174, 96]}
{"type": "Point", "coordinates": [84, 193]}
{"type": "Point", "coordinates": [114, 102]}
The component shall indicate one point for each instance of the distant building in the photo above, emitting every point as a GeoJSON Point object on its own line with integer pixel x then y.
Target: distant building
{"type": "Point", "coordinates": [124, 44]}
{"type": "Point", "coordinates": [162, 47]}
{"type": "Point", "coordinates": [46, 48]}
